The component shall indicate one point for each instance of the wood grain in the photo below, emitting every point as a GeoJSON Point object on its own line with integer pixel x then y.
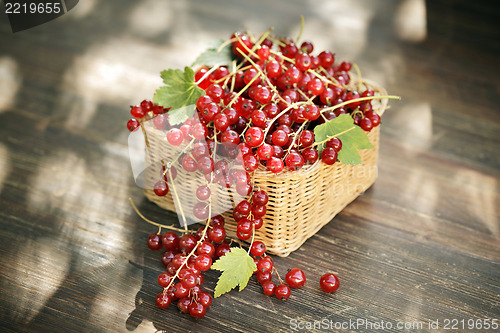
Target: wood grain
{"type": "Point", "coordinates": [423, 244]}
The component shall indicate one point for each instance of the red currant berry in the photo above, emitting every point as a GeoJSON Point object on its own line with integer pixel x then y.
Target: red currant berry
{"type": "Point", "coordinates": [280, 138]}
{"type": "Point", "coordinates": [329, 156]}
{"type": "Point", "coordinates": [265, 152]}
{"type": "Point", "coordinates": [306, 138]}
{"type": "Point", "coordinates": [315, 86]}
{"type": "Point", "coordinates": [294, 161]}
{"type": "Point", "coordinates": [251, 163]}
{"type": "Point", "coordinates": [334, 143]}
{"type": "Point", "coordinates": [203, 262]}
{"type": "Point", "coordinates": [244, 207]}
{"type": "Point", "coordinates": [204, 298]}
{"type": "Point", "coordinates": [244, 226]}
{"type": "Point", "coordinates": [329, 282]}
{"type": "Point", "coordinates": [258, 211]}
{"type": "Point", "coordinates": [197, 310]}
{"type": "Point", "coordinates": [133, 124]}
{"type": "Point", "coordinates": [154, 242]}
{"type": "Point", "coordinates": [203, 192]}
{"type": "Point", "coordinates": [189, 164]}
{"type": "Point", "coordinates": [303, 61]}
{"type": "Point", "coordinates": [187, 243]}
{"type": "Point", "coordinates": [137, 112]}
{"type": "Point", "coordinates": [350, 95]}
{"type": "Point", "coordinates": [264, 277]}
{"type": "Point", "coordinates": [221, 122]}
{"type": "Point", "coordinates": [263, 52]}
{"type": "Point", "coordinates": [243, 189]}
{"type": "Point", "coordinates": [268, 288]}
{"type": "Point", "coordinates": [366, 124]}
{"type": "Point", "coordinates": [189, 280]}
{"type": "Point", "coordinates": [311, 112]}
{"type": "Point", "coordinates": [200, 210]}
{"type": "Point", "coordinates": [375, 118]}
{"type": "Point", "coordinates": [161, 188]}
{"type": "Point", "coordinates": [164, 279]}
{"type": "Point", "coordinates": [260, 198]}
{"type": "Point", "coordinates": [183, 304]}
{"type": "Point", "coordinates": [345, 66]}
{"type": "Point", "coordinates": [180, 290]}
{"type": "Point", "coordinates": [170, 240]}
{"type": "Point", "coordinates": [163, 300]}
{"type": "Point", "coordinates": [295, 278]}
{"type": "Point", "coordinates": [310, 155]}
{"type": "Point", "coordinates": [282, 292]}
{"type": "Point", "coordinates": [257, 223]}
{"type": "Point", "coordinates": [275, 165]}
{"type": "Point", "coordinates": [230, 138]}
{"type": "Point", "coordinates": [217, 234]}
{"type": "Point", "coordinates": [215, 92]}
{"type": "Point", "coordinates": [258, 248]}
{"type": "Point", "coordinates": [326, 59]}
{"type": "Point", "coordinates": [243, 236]}
{"type": "Point", "coordinates": [175, 136]}
{"type": "Point", "coordinates": [265, 264]}
{"type": "Point", "coordinates": [206, 248]}
{"type": "Point", "coordinates": [254, 136]}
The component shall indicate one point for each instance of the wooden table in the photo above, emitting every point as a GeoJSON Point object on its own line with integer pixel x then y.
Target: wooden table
{"type": "Point", "coordinates": [420, 247]}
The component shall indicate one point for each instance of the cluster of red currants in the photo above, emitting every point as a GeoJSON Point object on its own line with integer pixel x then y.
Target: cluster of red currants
{"type": "Point", "coordinates": [185, 259]}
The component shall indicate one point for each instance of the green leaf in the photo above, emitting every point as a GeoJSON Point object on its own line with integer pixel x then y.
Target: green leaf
{"type": "Point", "coordinates": [212, 57]}
{"type": "Point", "coordinates": [353, 138]}
{"type": "Point", "coordinates": [178, 116]}
{"type": "Point", "coordinates": [180, 89]}
{"type": "Point", "coordinates": [237, 267]}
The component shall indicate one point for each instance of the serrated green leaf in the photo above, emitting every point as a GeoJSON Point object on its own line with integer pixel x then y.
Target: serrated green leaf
{"type": "Point", "coordinates": [237, 267]}
{"type": "Point", "coordinates": [213, 57]}
{"type": "Point", "coordinates": [353, 139]}
{"type": "Point", "coordinates": [180, 89]}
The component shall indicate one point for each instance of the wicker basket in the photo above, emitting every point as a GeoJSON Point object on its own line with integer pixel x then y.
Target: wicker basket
{"type": "Point", "coordinates": [300, 202]}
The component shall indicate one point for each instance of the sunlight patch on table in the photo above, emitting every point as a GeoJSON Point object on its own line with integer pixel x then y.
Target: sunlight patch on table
{"type": "Point", "coordinates": [410, 21]}
{"type": "Point", "coordinates": [10, 82]}
{"type": "Point", "coordinates": [482, 197]}
{"type": "Point", "coordinates": [37, 281]}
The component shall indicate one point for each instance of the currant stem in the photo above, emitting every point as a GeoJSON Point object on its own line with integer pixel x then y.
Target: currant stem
{"type": "Point", "coordinates": [358, 73]}
{"type": "Point", "coordinates": [333, 136]}
{"type": "Point", "coordinates": [278, 274]}
{"type": "Point", "coordinates": [301, 29]}
{"type": "Point", "coordinates": [169, 227]}
{"type": "Point", "coordinates": [297, 134]}
{"type": "Point", "coordinates": [253, 237]}
{"type": "Point", "coordinates": [210, 71]}
{"type": "Point", "coordinates": [176, 196]}
{"type": "Point", "coordinates": [331, 108]}
{"type": "Point", "coordinates": [243, 90]}
{"type": "Point", "coordinates": [145, 134]}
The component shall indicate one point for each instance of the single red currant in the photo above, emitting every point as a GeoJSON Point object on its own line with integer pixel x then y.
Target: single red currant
{"type": "Point", "coordinates": [161, 188]}
{"type": "Point", "coordinates": [163, 300]}
{"type": "Point", "coordinates": [329, 282]}
{"type": "Point", "coordinates": [295, 278]}
{"type": "Point", "coordinates": [268, 288]}
{"type": "Point", "coordinates": [258, 248]}
{"type": "Point", "coordinates": [154, 242]}
{"type": "Point", "coordinates": [175, 136]}
{"type": "Point", "coordinates": [282, 292]}
{"type": "Point", "coordinates": [133, 124]}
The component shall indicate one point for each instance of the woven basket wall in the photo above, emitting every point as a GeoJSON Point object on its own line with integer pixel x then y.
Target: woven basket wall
{"type": "Point", "coordinates": [300, 202]}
